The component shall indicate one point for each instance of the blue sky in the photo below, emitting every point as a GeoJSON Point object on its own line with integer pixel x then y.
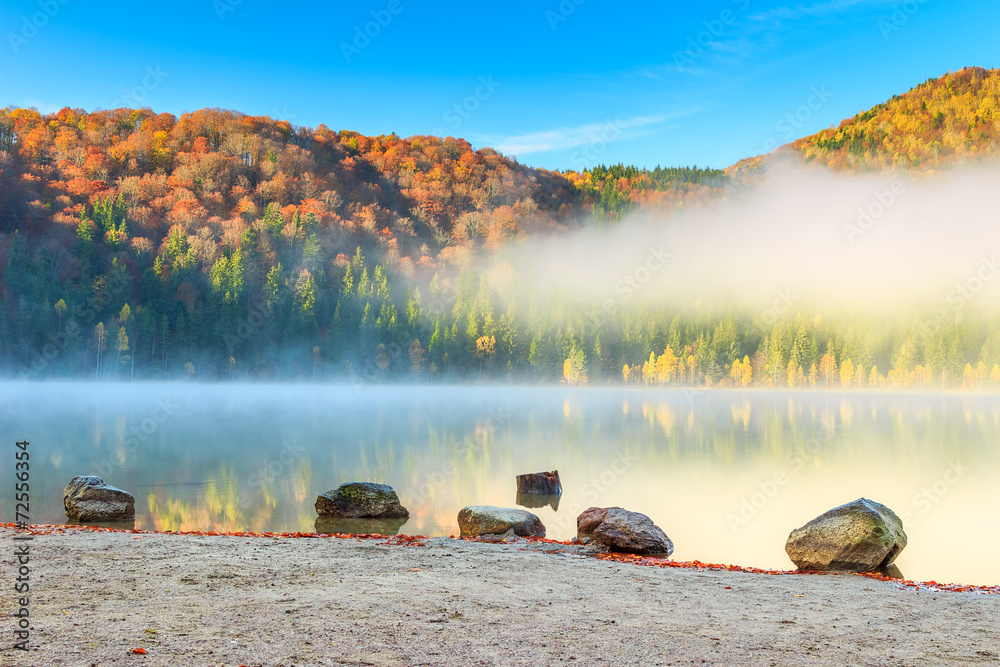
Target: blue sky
{"type": "Point", "coordinates": [558, 84]}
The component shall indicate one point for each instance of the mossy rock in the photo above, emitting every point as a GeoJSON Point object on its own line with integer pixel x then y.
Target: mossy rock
{"type": "Point", "coordinates": [862, 536]}
{"type": "Point", "coordinates": [361, 500]}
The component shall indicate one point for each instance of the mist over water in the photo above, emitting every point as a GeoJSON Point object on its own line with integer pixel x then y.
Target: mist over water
{"type": "Point", "coordinates": [726, 474]}
{"type": "Point", "coordinates": [837, 241]}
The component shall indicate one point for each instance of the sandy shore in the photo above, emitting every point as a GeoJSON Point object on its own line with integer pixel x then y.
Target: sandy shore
{"type": "Point", "coordinates": [192, 600]}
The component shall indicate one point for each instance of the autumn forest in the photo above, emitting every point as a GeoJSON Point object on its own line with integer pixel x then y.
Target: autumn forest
{"type": "Point", "coordinates": [221, 246]}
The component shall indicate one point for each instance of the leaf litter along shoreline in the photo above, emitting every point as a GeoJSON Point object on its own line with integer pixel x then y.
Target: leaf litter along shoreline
{"type": "Point", "coordinates": [105, 596]}
{"type": "Point", "coordinates": [420, 540]}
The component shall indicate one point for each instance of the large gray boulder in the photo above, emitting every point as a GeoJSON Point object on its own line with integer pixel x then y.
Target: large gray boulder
{"type": "Point", "coordinates": [357, 500]}
{"type": "Point", "coordinates": [478, 520]}
{"type": "Point", "coordinates": [623, 531]}
{"type": "Point", "coordinates": [863, 536]}
{"type": "Point", "coordinates": [88, 499]}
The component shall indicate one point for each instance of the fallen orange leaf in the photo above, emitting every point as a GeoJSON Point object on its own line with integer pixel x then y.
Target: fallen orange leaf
{"type": "Point", "coordinates": [139, 651]}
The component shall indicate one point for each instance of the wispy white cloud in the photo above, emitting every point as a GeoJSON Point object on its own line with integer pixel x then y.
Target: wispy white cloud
{"type": "Point", "coordinates": [571, 137]}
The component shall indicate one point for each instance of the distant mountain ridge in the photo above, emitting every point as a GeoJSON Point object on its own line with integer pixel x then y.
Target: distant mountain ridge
{"type": "Point", "coordinates": [943, 122]}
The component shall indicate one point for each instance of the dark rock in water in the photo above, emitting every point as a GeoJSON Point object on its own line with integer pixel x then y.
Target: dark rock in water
{"type": "Point", "coordinates": [478, 520]}
{"type": "Point", "coordinates": [623, 531]}
{"type": "Point", "coordinates": [862, 536]}
{"type": "Point", "coordinates": [542, 483]}
{"type": "Point", "coordinates": [355, 500]}
{"type": "Point", "coordinates": [533, 500]}
{"type": "Point", "coordinates": [88, 499]}
{"type": "Point", "coordinates": [329, 525]}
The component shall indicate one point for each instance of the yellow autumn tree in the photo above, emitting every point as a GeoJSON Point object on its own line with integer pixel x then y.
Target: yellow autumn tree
{"type": "Point", "coordinates": [575, 368]}
{"type": "Point", "coordinates": [846, 373]}
{"type": "Point", "coordinates": [649, 369]}
{"type": "Point", "coordinates": [741, 372]}
{"type": "Point", "coordinates": [790, 373]}
{"type": "Point", "coordinates": [666, 364]}
{"type": "Point", "coordinates": [827, 368]}
{"type": "Point", "coordinates": [968, 377]}
{"type": "Point", "coordinates": [860, 376]}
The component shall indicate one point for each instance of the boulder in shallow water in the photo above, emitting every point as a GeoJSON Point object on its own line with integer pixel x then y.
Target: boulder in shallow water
{"type": "Point", "coordinates": [88, 499]}
{"type": "Point", "coordinates": [541, 483]}
{"type": "Point", "coordinates": [356, 500]}
{"type": "Point", "coordinates": [478, 520]}
{"type": "Point", "coordinates": [862, 536]}
{"type": "Point", "coordinates": [623, 531]}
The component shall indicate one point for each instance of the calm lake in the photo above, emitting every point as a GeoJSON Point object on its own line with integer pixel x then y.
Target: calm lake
{"type": "Point", "coordinates": [726, 474]}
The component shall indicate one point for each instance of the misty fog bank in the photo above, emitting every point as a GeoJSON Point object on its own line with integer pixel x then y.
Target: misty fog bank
{"type": "Point", "coordinates": [810, 235]}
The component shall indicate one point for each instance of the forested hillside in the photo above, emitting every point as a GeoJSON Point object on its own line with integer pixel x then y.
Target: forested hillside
{"type": "Point", "coordinates": [223, 246]}
{"type": "Point", "coordinates": [220, 244]}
